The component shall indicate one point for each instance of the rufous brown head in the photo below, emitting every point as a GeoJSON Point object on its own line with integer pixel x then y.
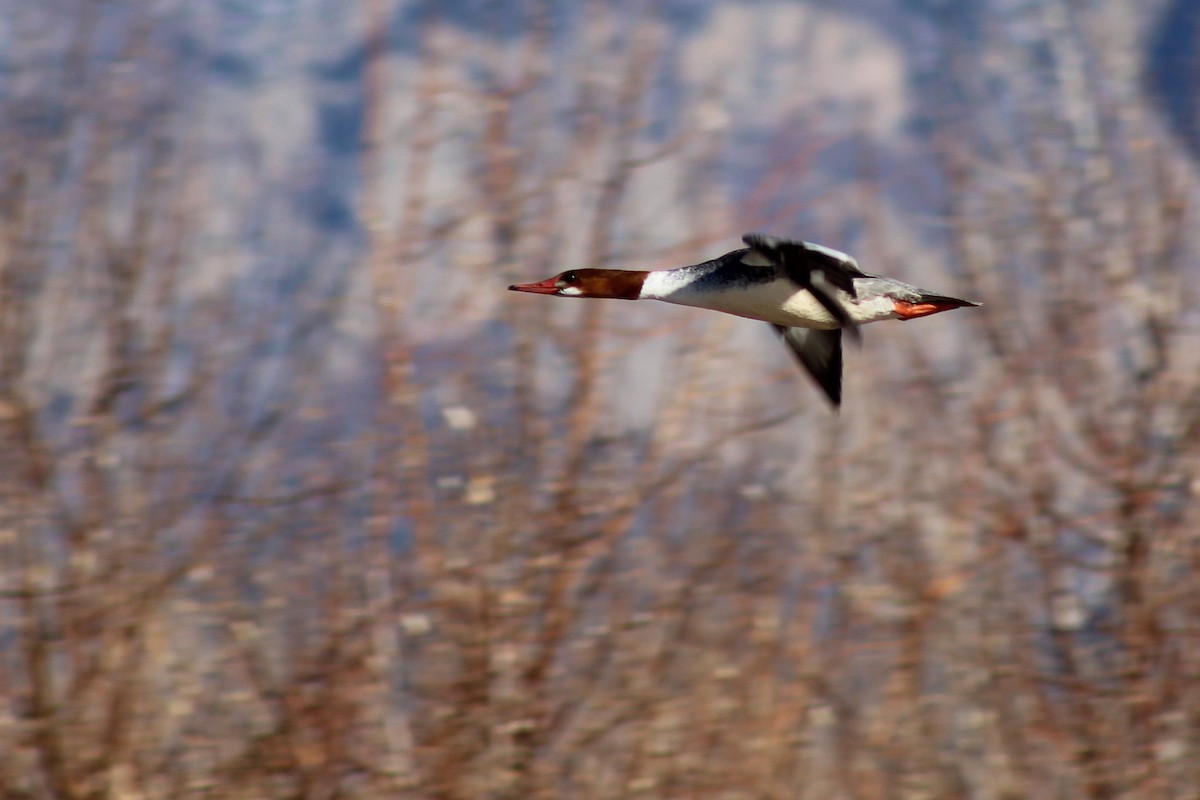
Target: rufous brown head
{"type": "Point", "coordinates": [617, 283]}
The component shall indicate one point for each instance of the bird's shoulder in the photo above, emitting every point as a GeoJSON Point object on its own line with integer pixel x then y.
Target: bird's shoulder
{"type": "Point", "coordinates": [778, 249]}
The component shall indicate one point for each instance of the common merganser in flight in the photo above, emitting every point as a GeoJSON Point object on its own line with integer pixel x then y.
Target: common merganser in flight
{"type": "Point", "coordinates": [808, 293]}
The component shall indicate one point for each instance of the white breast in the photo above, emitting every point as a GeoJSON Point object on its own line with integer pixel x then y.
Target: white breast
{"type": "Point", "coordinates": [778, 302]}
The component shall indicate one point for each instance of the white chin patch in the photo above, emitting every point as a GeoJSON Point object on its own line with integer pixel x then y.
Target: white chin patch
{"type": "Point", "coordinates": [570, 291]}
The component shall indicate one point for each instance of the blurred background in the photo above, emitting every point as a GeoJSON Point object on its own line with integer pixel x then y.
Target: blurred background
{"type": "Point", "coordinates": [299, 502]}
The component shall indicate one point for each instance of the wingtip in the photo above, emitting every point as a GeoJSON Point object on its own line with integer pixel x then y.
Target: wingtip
{"type": "Point", "coordinates": [820, 354]}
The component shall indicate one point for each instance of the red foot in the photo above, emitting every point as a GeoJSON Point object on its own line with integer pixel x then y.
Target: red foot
{"type": "Point", "coordinates": [906, 310]}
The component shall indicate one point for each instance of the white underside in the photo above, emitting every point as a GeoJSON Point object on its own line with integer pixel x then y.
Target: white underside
{"type": "Point", "coordinates": [779, 302]}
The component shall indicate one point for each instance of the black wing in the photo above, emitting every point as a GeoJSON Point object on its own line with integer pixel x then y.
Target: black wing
{"type": "Point", "coordinates": [820, 353]}
{"type": "Point", "coordinates": [815, 268]}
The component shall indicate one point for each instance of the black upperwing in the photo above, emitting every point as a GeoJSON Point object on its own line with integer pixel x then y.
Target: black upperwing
{"type": "Point", "coordinates": [817, 269]}
{"type": "Point", "coordinates": [820, 353]}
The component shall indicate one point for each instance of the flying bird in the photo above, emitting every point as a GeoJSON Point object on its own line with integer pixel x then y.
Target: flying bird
{"type": "Point", "coordinates": [809, 294]}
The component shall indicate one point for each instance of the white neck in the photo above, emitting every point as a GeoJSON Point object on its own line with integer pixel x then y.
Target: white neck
{"type": "Point", "coordinates": [662, 284]}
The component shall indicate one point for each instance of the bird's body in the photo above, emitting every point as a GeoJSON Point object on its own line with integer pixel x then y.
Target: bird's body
{"type": "Point", "coordinates": [737, 283]}
{"type": "Point", "coordinates": [809, 293]}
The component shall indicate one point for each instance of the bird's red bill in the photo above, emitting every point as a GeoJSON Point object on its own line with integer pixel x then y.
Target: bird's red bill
{"type": "Point", "coordinates": [547, 286]}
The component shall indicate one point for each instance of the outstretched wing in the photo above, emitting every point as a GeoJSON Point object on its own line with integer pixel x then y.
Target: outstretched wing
{"type": "Point", "coordinates": [820, 353]}
{"type": "Point", "coordinates": [818, 269]}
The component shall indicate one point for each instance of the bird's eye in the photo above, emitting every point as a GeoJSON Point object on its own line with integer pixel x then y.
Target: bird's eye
{"type": "Point", "coordinates": [569, 277]}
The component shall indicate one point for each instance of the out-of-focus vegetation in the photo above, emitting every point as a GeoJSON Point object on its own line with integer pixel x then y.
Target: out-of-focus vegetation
{"type": "Point", "coordinates": [298, 502]}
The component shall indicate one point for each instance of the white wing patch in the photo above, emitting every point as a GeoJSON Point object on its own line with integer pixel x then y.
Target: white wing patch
{"type": "Point", "coordinates": [829, 251]}
{"type": "Point", "coordinates": [756, 259]}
